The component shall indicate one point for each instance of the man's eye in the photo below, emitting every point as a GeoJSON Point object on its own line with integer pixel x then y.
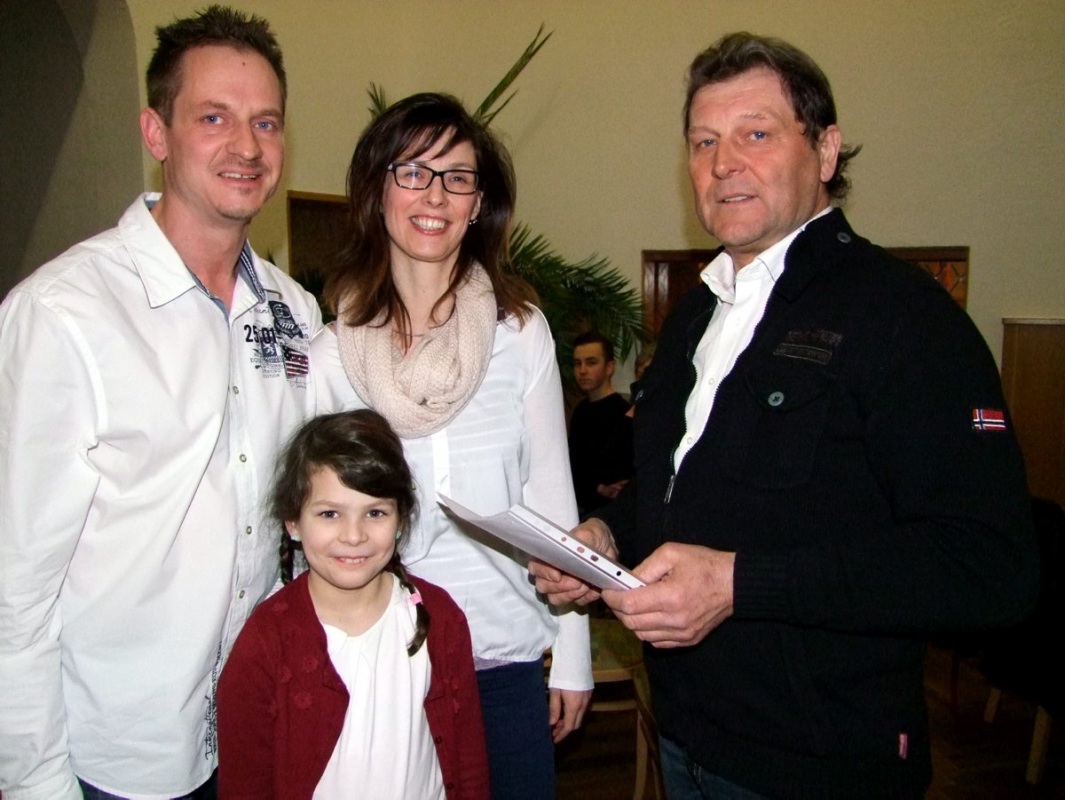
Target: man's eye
{"type": "Point", "coordinates": [328, 514]}
{"type": "Point", "coordinates": [759, 135]}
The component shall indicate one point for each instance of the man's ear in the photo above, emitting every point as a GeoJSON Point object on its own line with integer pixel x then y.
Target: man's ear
{"type": "Point", "coordinates": [610, 367]}
{"type": "Point", "coordinates": [828, 151]}
{"type": "Point", "coordinates": [153, 132]}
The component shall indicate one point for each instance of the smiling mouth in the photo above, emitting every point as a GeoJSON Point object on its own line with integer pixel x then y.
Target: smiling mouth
{"type": "Point", "coordinates": [736, 198]}
{"type": "Point", "coordinates": [239, 176]}
{"type": "Point", "coordinates": [351, 562]}
{"type": "Point", "coordinates": [429, 225]}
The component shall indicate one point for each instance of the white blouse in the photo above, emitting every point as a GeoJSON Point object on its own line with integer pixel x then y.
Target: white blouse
{"type": "Point", "coordinates": [385, 749]}
{"type": "Point", "coordinates": [507, 446]}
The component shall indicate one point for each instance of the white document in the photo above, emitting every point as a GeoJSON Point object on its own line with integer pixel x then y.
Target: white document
{"type": "Point", "coordinates": [542, 539]}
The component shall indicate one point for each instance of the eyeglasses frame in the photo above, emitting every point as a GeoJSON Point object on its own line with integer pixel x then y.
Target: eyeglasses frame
{"type": "Point", "coordinates": [436, 174]}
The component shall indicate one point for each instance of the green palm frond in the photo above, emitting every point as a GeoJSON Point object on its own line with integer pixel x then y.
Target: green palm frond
{"type": "Point", "coordinates": [378, 100]}
{"type": "Point", "coordinates": [578, 296]}
{"type": "Point", "coordinates": [485, 113]}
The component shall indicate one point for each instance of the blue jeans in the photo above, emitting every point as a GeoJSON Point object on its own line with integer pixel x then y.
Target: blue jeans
{"type": "Point", "coordinates": [521, 756]}
{"type": "Point", "coordinates": [686, 780]}
{"type": "Point", "coordinates": [208, 791]}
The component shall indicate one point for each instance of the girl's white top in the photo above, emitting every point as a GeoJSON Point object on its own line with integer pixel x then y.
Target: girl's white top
{"type": "Point", "coordinates": [385, 750]}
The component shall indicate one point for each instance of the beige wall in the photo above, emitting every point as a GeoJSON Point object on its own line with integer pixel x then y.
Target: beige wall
{"type": "Point", "coordinates": [960, 106]}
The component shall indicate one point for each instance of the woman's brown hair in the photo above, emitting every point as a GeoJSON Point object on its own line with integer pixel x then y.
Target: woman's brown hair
{"type": "Point", "coordinates": [361, 286]}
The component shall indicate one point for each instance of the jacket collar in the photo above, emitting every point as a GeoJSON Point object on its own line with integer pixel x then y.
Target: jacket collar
{"type": "Point", "coordinates": [817, 249]}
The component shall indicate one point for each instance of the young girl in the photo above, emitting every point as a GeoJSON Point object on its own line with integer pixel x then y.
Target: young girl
{"type": "Point", "coordinates": [354, 679]}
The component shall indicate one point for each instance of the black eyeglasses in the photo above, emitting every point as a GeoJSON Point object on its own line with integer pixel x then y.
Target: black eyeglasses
{"type": "Point", "coordinates": [419, 176]}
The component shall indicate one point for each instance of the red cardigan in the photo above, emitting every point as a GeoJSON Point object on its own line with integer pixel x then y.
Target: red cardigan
{"type": "Point", "coordinates": [281, 704]}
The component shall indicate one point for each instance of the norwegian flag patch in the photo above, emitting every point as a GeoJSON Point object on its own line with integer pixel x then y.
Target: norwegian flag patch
{"type": "Point", "coordinates": [989, 419]}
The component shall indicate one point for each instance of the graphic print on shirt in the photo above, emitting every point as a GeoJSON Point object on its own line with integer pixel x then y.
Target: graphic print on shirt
{"type": "Point", "coordinates": [210, 743]}
{"type": "Point", "coordinates": [280, 343]}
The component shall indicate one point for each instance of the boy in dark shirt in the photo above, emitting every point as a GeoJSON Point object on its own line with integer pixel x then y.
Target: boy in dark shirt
{"type": "Point", "coordinates": [600, 435]}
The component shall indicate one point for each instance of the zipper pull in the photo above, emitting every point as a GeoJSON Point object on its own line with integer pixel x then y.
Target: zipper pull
{"type": "Point", "coordinates": [669, 487]}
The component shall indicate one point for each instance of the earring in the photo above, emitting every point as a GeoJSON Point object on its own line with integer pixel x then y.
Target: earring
{"type": "Point", "coordinates": [472, 221]}
{"type": "Point", "coordinates": [398, 534]}
{"type": "Point", "coordinates": [294, 537]}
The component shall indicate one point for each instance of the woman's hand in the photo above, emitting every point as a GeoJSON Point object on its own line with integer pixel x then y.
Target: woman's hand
{"type": "Point", "coordinates": [560, 588]}
{"type": "Point", "coordinates": [566, 711]}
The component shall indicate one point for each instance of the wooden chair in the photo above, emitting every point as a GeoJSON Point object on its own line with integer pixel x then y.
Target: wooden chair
{"type": "Point", "coordinates": [617, 656]}
{"type": "Point", "coordinates": [647, 758]}
{"type": "Point", "coordinates": [1029, 659]}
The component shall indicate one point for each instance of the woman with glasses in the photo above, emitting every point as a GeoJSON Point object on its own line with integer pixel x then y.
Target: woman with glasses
{"type": "Point", "coordinates": [436, 333]}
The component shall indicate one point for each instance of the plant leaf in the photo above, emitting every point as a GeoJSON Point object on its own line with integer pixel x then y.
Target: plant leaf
{"type": "Point", "coordinates": [484, 111]}
{"type": "Point", "coordinates": [578, 296]}
{"type": "Point", "coordinates": [378, 100]}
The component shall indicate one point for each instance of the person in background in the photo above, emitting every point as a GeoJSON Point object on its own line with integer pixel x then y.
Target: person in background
{"type": "Point", "coordinates": [600, 430]}
{"type": "Point", "coordinates": [388, 707]}
{"type": "Point", "coordinates": [147, 378]}
{"type": "Point", "coordinates": [825, 470]}
{"type": "Point", "coordinates": [437, 334]}
{"type": "Point", "coordinates": [643, 361]}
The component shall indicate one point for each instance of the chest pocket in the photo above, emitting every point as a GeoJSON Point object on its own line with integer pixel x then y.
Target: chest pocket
{"type": "Point", "coordinates": [772, 433]}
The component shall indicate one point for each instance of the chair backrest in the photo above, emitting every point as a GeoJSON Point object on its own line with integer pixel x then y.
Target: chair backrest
{"type": "Point", "coordinates": [1029, 658]}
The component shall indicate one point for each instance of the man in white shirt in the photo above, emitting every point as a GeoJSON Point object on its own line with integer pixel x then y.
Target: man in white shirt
{"type": "Point", "coordinates": [824, 469]}
{"type": "Point", "coordinates": [147, 378]}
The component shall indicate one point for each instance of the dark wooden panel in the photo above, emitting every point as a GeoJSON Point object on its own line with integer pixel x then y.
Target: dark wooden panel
{"type": "Point", "coordinates": [948, 265]}
{"type": "Point", "coordinates": [316, 229]}
{"type": "Point", "coordinates": [667, 275]}
{"type": "Point", "coordinates": [1033, 379]}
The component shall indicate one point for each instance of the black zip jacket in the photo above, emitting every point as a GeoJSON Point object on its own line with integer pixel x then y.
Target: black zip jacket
{"type": "Point", "coordinates": [842, 464]}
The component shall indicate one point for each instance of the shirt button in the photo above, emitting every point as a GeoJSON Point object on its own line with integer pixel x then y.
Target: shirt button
{"type": "Point", "coordinates": [776, 399]}
{"type": "Point", "coordinates": [236, 390]}
{"type": "Point", "coordinates": [248, 530]}
{"type": "Point", "coordinates": [240, 595]}
{"type": "Point", "coordinates": [844, 237]}
{"type": "Point", "coordinates": [243, 458]}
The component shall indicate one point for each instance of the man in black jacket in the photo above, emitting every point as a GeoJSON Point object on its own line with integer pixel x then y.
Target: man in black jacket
{"type": "Point", "coordinates": [824, 469]}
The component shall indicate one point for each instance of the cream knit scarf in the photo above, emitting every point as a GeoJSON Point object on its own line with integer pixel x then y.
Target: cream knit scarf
{"type": "Point", "coordinates": [421, 391]}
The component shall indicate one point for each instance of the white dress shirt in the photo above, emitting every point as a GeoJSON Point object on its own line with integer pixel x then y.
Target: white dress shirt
{"type": "Point", "coordinates": [138, 431]}
{"type": "Point", "coordinates": [742, 297]}
{"type": "Point", "coordinates": [508, 445]}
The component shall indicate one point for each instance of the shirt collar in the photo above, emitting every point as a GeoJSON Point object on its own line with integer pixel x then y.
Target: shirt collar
{"type": "Point", "coordinates": [164, 285]}
{"type": "Point", "coordinates": [721, 276]}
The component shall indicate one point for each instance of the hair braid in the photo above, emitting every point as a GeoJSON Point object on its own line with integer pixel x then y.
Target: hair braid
{"type": "Point", "coordinates": [422, 622]}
